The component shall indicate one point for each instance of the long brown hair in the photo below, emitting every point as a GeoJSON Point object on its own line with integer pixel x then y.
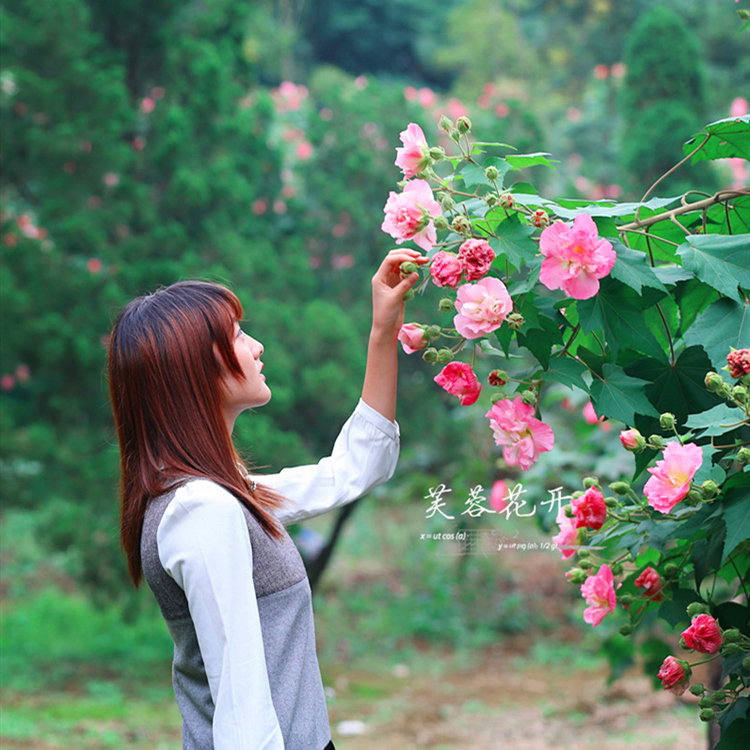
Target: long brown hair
{"type": "Point", "coordinates": [165, 388]}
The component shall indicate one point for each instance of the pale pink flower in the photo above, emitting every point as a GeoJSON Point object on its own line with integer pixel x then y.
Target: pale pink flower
{"type": "Point", "coordinates": [304, 150]}
{"type": "Point", "coordinates": [414, 156]}
{"type": "Point", "coordinates": [456, 109]}
{"type": "Point", "coordinates": [148, 105]}
{"type": "Point", "coordinates": [675, 675]}
{"type": "Point", "coordinates": [651, 581]}
{"type": "Point", "coordinates": [575, 258]}
{"type": "Point", "coordinates": [590, 509]}
{"type": "Point", "coordinates": [482, 307]}
{"type": "Point", "coordinates": [589, 414]}
{"type": "Point", "coordinates": [476, 256]}
{"type": "Point", "coordinates": [7, 382]}
{"type": "Point", "coordinates": [632, 440]}
{"type": "Point", "coordinates": [523, 436]}
{"type": "Point", "coordinates": [599, 593]}
{"type": "Point", "coordinates": [259, 207]}
{"type": "Point", "coordinates": [739, 107]}
{"type": "Point", "coordinates": [94, 265]}
{"type": "Point", "coordinates": [412, 337]}
{"type": "Point", "coordinates": [446, 269]}
{"type": "Point", "coordinates": [601, 72]}
{"type": "Point", "coordinates": [361, 82]}
{"type": "Point", "coordinates": [408, 215]}
{"type": "Point", "coordinates": [499, 496]}
{"type": "Point", "coordinates": [426, 98]}
{"type": "Point", "coordinates": [502, 110]}
{"type": "Point", "coordinates": [410, 94]}
{"type": "Point", "coordinates": [670, 480]}
{"type": "Point", "coordinates": [618, 70]}
{"type": "Point", "coordinates": [23, 373]}
{"type": "Point", "coordinates": [703, 635]}
{"type": "Point", "coordinates": [568, 535]}
{"type": "Point", "coordinates": [459, 380]}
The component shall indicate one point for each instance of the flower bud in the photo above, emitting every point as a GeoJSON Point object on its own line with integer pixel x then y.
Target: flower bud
{"type": "Point", "coordinates": [401, 184]}
{"type": "Point", "coordinates": [694, 497]}
{"type": "Point", "coordinates": [611, 502]}
{"type": "Point", "coordinates": [732, 635]}
{"type": "Point", "coordinates": [576, 576]}
{"type": "Point", "coordinates": [710, 488]}
{"type": "Point", "coordinates": [739, 394]}
{"type": "Point", "coordinates": [515, 321]}
{"type": "Point", "coordinates": [441, 223]}
{"type": "Point", "coordinates": [626, 629]}
{"type": "Point", "coordinates": [626, 600]}
{"type": "Point", "coordinates": [455, 134]}
{"type": "Point", "coordinates": [586, 564]}
{"type": "Point", "coordinates": [589, 482]}
{"type": "Point", "coordinates": [620, 488]}
{"type": "Point", "coordinates": [697, 608]}
{"type": "Point", "coordinates": [445, 123]}
{"type": "Point", "coordinates": [540, 218]}
{"type": "Point", "coordinates": [461, 225]}
{"type": "Point", "coordinates": [437, 153]}
{"type": "Point", "coordinates": [446, 201]}
{"type": "Point", "coordinates": [463, 124]}
{"type": "Point", "coordinates": [569, 513]}
{"type": "Point", "coordinates": [707, 701]}
{"type": "Point", "coordinates": [491, 199]}
{"type": "Point", "coordinates": [434, 331]}
{"type": "Point", "coordinates": [632, 440]}
{"type": "Point", "coordinates": [498, 378]}
{"type": "Point", "coordinates": [667, 421]}
{"type": "Point", "coordinates": [713, 381]}
{"type": "Point", "coordinates": [528, 398]}
{"type": "Point", "coordinates": [444, 356]}
{"type": "Point", "coordinates": [407, 268]}
{"type": "Point", "coordinates": [507, 201]}
{"type": "Point", "coordinates": [743, 455]}
{"type": "Point", "coordinates": [707, 714]}
{"type": "Point", "coordinates": [577, 494]}
{"type": "Point", "coordinates": [429, 354]}
{"type": "Point", "coordinates": [656, 441]}
{"type": "Point", "coordinates": [724, 391]}
{"type": "Point", "coordinates": [697, 689]}
{"type": "Point", "coordinates": [731, 648]}
{"type": "Point", "coordinates": [583, 554]}
{"type": "Point", "coordinates": [617, 569]}
{"type": "Point", "coordinates": [670, 569]}
{"type": "Point", "coordinates": [719, 695]}
{"type": "Point", "coordinates": [495, 397]}
{"type": "Point", "coordinates": [746, 663]}
{"type": "Point", "coordinates": [408, 295]}
{"type": "Point", "coordinates": [492, 173]}
{"type": "Point", "coordinates": [446, 304]}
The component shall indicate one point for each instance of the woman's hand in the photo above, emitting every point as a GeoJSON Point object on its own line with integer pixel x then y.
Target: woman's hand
{"type": "Point", "coordinates": [388, 290]}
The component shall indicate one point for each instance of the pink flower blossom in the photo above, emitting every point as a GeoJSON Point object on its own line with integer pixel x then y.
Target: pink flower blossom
{"type": "Point", "coordinates": [482, 307]}
{"type": "Point", "coordinates": [477, 257]}
{"type": "Point", "coordinates": [523, 436]}
{"type": "Point", "coordinates": [502, 110]}
{"type": "Point", "coordinates": [94, 265]}
{"type": "Point", "coordinates": [408, 215]}
{"type": "Point", "coordinates": [739, 107]}
{"type": "Point", "coordinates": [414, 156]}
{"type": "Point", "coordinates": [618, 70]}
{"type": "Point", "coordinates": [670, 480]}
{"type": "Point", "coordinates": [632, 440]}
{"type": "Point", "coordinates": [499, 496]}
{"type": "Point", "coordinates": [568, 535]}
{"type": "Point", "coordinates": [7, 382]}
{"type": "Point", "coordinates": [703, 635]}
{"type": "Point", "coordinates": [599, 593]}
{"type": "Point", "coordinates": [304, 150]}
{"type": "Point", "coordinates": [739, 362]}
{"type": "Point", "coordinates": [259, 207]}
{"type": "Point", "coordinates": [601, 72]}
{"type": "Point", "coordinates": [148, 105]}
{"type": "Point", "coordinates": [674, 675]}
{"type": "Point", "coordinates": [410, 94]}
{"type": "Point", "coordinates": [23, 373]}
{"type": "Point", "coordinates": [426, 98]}
{"type": "Point", "coordinates": [590, 509]}
{"type": "Point", "coordinates": [651, 581]}
{"type": "Point", "coordinates": [459, 380]}
{"type": "Point", "coordinates": [589, 414]}
{"type": "Point", "coordinates": [446, 269]}
{"type": "Point", "coordinates": [575, 258]}
{"type": "Point", "coordinates": [412, 338]}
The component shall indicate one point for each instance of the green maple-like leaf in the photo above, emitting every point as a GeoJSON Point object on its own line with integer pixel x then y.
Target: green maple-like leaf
{"type": "Point", "coordinates": [722, 324]}
{"type": "Point", "coordinates": [721, 261]}
{"type": "Point", "coordinates": [514, 241]}
{"type": "Point", "coordinates": [736, 513]}
{"type": "Point", "coordinates": [728, 138]}
{"type": "Point", "coordinates": [619, 396]}
{"type": "Point", "coordinates": [632, 268]}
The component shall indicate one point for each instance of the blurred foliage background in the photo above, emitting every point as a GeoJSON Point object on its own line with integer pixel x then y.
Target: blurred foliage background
{"type": "Point", "coordinates": [252, 142]}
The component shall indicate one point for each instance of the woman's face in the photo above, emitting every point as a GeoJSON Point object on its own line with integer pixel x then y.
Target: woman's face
{"type": "Point", "coordinates": [239, 395]}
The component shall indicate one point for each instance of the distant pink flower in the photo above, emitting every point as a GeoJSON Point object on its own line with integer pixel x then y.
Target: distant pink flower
{"type": "Point", "coordinates": [456, 109]}
{"type": "Point", "coordinates": [23, 373]}
{"type": "Point", "coordinates": [259, 207]}
{"type": "Point", "coordinates": [590, 509]}
{"type": "Point", "coordinates": [459, 380]}
{"type": "Point", "coordinates": [361, 82]}
{"type": "Point", "coordinates": [601, 72]}
{"type": "Point", "coordinates": [739, 107]}
{"type": "Point", "coordinates": [482, 307]}
{"type": "Point", "coordinates": [618, 70]}
{"type": "Point", "coordinates": [339, 261]}
{"type": "Point", "coordinates": [568, 535]}
{"type": "Point", "coordinates": [148, 105]}
{"type": "Point", "coordinates": [523, 436]}
{"type": "Point", "coordinates": [408, 215]}
{"type": "Point", "coordinates": [111, 179]}
{"type": "Point", "coordinates": [7, 382]}
{"type": "Point", "coordinates": [289, 191]}
{"type": "Point", "coordinates": [426, 98]}
{"type": "Point", "coordinates": [502, 110]}
{"type": "Point", "coordinates": [414, 156]}
{"type": "Point", "coordinates": [94, 265]}
{"type": "Point", "coordinates": [326, 114]}
{"type": "Point", "coordinates": [499, 496]}
{"type": "Point", "coordinates": [279, 206]}
{"type": "Point", "coordinates": [589, 414]}
{"type": "Point", "coordinates": [575, 258]}
{"type": "Point", "coordinates": [670, 480]}
{"type": "Point", "coordinates": [651, 581]}
{"type": "Point", "coordinates": [304, 150]}
{"type": "Point", "coordinates": [446, 269]}
{"type": "Point", "coordinates": [675, 675]}
{"type": "Point", "coordinates": [599, 593]}
{"type": "Point", "coordinates": [477, 257]}
{"type": "Point", "coordinates": [703, 635]}
{"type": "Point", "coordinates": [412, 338]}
{"type": "Point", "coordinates": [410, 94]}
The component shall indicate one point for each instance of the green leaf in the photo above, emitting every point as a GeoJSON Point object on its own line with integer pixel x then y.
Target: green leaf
{"type": "Point", "coordinates": [736, 513]}
{"type": "Point", "coordinates": [540, 340]}
{"type": "Point", "coordinates": [712, 420]}
{"type": "Point", "coordinates": [675, 612]}
{"type": "Point", "coordinates": [692, 298]}
{"type": "Point", "coordinates": [734, 736]}
{"type": "Point", "coordinates": [521, 161]}
{"type": "Point", "coordinates": [724, 323]}
{"type": "Point", "coordinates": [514, 241]}
{"type": "Point", "coordinates": [728, 138]}
{"type": "Point", "coordinates": [504, 335]}
{"type": "Point", "coordinates": [671, 275]}
{"type": "Point", "coordinates": [632, 268]}
{"type": "Point", "coordinates": [619, 396]}
{"type": "Point", "coordinates": [473, 174]}
{"type": "Point", "coordinates": [706, 556]}
{"type": "Point", "coordinates": [567, 371]}
{"type": "Point", "coordinates": [721, 261]}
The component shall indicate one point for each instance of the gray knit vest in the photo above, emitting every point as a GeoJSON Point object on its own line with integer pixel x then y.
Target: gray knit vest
{"type": "Point", "coordinates": [286, 616]}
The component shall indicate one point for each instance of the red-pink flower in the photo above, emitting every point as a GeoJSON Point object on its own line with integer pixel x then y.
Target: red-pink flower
{"type": "Point", "coordinates": [675, 675]}
{"type": "Point", "coordinates": [739, 362]}
{"type": "Point", "coordinates": [632, 440]}
{"type": "Point", "coordinates": [476, 257]}
{"type": "Point", "coordinates": [568, 535]}
{"type": "Point", "coordinates": [703, 635]}
{"type": "Point", "coordinates": [499, 496]}
{"type": "Point", "coordinates": [482, 307]}
{"type": "Point", "coordinates": [415, 155]}
{"type": "Point", "coordinates": [575, 258]}
{"type": "Point", "coordinates": [651, 581]}
{"type": "Point", "coordinates": [446, 269]}
{"type": "Point", "coordinates": [590, 509]}
{"type": "Point", "coordinates": [412, 337]}
{"type": "Point", "coordinates": [523, 436]}
{"type": "Point", "coordinates": [670, 480]}
{"type": "Point", "coordinates": [599, 593]}
{"type": "Point", "coordinates": [459, 379]}
{"type": "Point", "coordinates": [408, 215]}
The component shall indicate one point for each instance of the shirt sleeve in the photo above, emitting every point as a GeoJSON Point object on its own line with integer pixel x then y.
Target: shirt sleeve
{"type": "Point", "coordinates": [205, 547]}
{"type": "Point", "coordinates": [364, 455]}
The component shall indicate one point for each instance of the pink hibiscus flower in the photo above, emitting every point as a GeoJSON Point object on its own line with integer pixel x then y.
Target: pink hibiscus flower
{"type": "Point", "coordinates": [703, 635]}
{"type": "Point", "coordinates": [482, 307]}
{"type": "Point", "coordinates": [599, 593]}
{"type": "Point", "coordinates": [590, 509]}
{"type": "Point", "coordinates": [575, 258]}
{"type": "Point", "coordinates": [415, 155]}
{"type": "Point", "coordinates": [408, 215]}
{"type": "Point", "coordinates": [651, 582]}
{"type": "Point", "coordinates": [446, 269]}
{"type": "Point", "coordinates": [675, 675]}
{"type": "Point", "coordinates": [459, 379]}
{"type": "Point", "coordinates": [523, 436]}
{"type": "Point", "coordinates": [670, 480]}
{"type": "Point", "coordinates": [412, 337]}
{"type": "Point", "coordinates": [568, 534]}
{"type": "Point", "coordinates": [476, 256]}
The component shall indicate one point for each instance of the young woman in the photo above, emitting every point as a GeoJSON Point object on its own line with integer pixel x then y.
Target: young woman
{"type": "Point", "coordinates": [208, 536]}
